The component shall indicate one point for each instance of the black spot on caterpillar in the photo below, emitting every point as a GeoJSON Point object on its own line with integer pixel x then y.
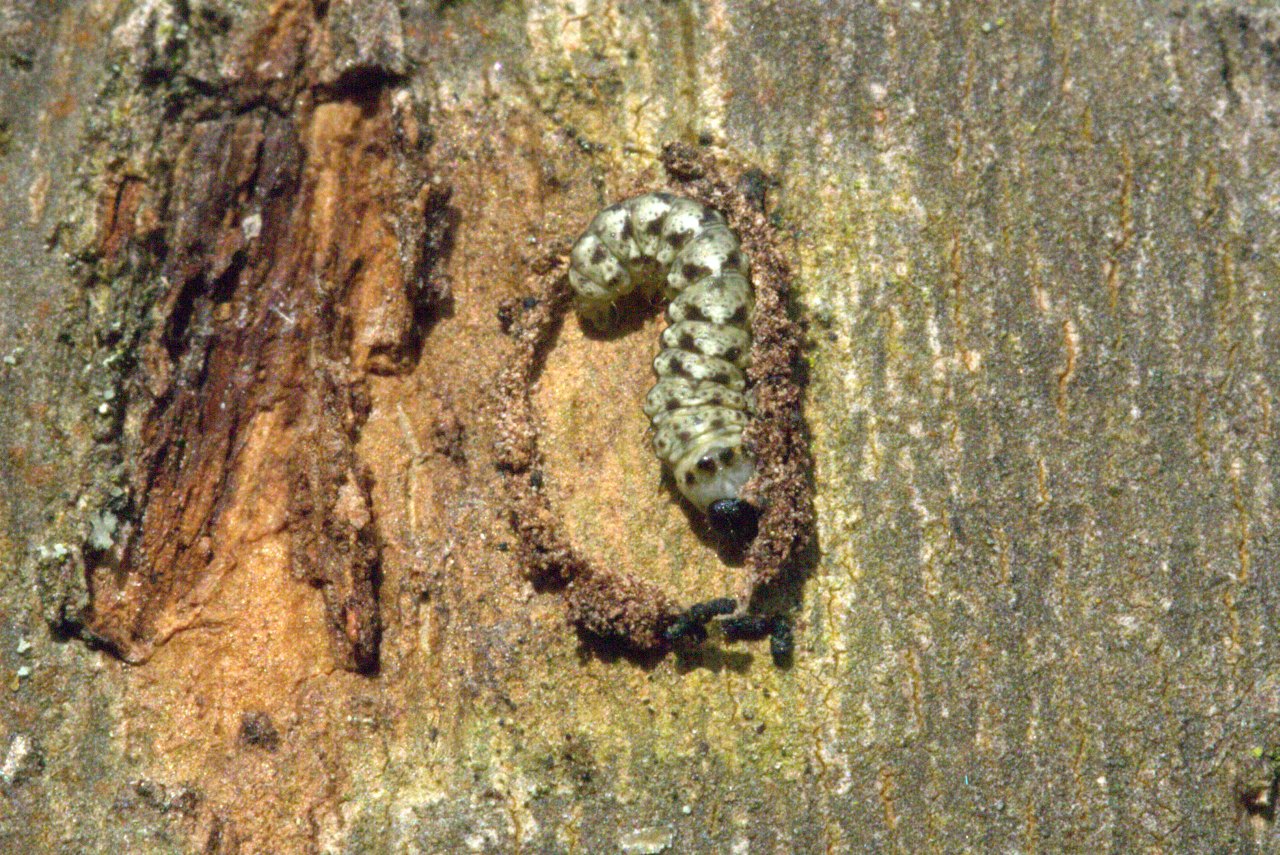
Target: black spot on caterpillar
{"type": "Point", "coordinates": [700, 405]}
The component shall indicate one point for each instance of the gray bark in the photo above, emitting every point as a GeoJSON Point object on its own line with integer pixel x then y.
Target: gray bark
{"type": "Point", "coordinates": [1036, 247]}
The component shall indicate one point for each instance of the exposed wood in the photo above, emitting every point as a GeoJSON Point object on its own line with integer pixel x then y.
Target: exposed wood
{"type": "Point", "coordinates": [262, 263]}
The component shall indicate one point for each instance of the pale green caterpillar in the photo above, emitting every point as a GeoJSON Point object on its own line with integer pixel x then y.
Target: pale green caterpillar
{"type": "Point", "coordinates": [700, 405]}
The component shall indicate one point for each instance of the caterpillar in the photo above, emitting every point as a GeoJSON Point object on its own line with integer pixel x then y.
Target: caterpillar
{"type": "Point", "coordinates": [700, 405]}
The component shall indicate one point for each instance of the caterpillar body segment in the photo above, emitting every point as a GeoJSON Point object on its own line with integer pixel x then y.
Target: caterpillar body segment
{"type": "Point", "coordinates": [700, 404]}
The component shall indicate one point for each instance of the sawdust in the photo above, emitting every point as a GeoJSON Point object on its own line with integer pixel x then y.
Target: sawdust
{"type": "Point", "coordinates": [612, 605]}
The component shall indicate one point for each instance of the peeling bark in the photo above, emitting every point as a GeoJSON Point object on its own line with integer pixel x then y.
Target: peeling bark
{"type": "Point", "coordinates": [261, 261]}
{"type": "Point", "coordinates": [266, 277]}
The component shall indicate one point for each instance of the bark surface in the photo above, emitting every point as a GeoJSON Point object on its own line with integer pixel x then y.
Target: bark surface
{"type": "Point", "coordinates": [264, 264]}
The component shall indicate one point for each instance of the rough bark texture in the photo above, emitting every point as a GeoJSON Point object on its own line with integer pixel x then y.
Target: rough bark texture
{"type": "Point", "coordinates": [257, 260]}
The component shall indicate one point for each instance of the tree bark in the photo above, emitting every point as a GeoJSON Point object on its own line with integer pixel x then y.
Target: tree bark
{"type": "Point", "coordinates": [264, 264]}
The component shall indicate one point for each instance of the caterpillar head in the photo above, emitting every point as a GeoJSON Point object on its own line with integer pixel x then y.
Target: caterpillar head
{"type": "Point", "coordinates": [734, 519]}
